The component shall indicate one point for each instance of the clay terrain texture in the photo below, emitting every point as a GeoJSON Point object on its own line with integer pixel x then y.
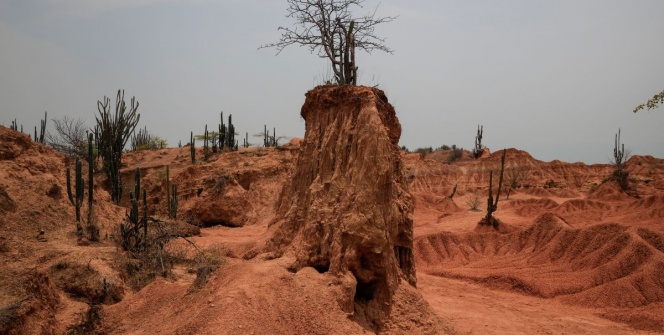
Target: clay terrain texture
{"type": "Point", "coordinates": [340, 232]}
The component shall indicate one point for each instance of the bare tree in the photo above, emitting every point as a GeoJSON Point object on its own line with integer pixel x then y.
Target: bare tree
{"type": "Point", "coordinates": [328, 28]}
{"type": "Point", "coordinates": [69, 137]}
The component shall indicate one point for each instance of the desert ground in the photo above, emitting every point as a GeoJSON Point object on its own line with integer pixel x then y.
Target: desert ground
{"type": "Point", "coordinates": [574, 253]}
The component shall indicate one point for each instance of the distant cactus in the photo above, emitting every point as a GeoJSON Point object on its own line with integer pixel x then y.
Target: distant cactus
{"type": "Point", "coordinates": [76, 197]}
{"type": "Point", "coordinates": [93, 230]}
{"type": "Point", "coordinates": [453, 192]}
{"type": "Point", "coordinates": [620, 157]}
{"type": "Point", "coordinates": [134, 233]}
{"type": "Point", "coordinates": [172, 202]}
{"type": "Point", "coordinates": [492, 205]}
{"type": "Point", "coordinates": [192, 148]}
{"type": "Point", "coordinates": [478, 142]}
{"type": "Point", "coordinates": [206, 151]}
{"type": "Point", "coordinates": [42, 131]}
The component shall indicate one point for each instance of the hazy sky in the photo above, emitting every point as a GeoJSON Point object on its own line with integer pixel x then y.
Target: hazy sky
{"type": "Point", "coordinates": [555, 78]}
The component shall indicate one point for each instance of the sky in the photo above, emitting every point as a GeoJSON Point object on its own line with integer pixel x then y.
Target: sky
{"type": "Point", "coordinates": [554, 78]}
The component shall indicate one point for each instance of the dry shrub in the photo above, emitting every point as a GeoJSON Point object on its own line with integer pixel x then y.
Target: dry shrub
{"type": "Point", "coordinates": [473, 201]}
{"type": "Point", "coordinates": [89, 322]}
{"type": "Point", "coordinates": [205, 262]}
{"type": "Point", "coordinates": [85, 283]}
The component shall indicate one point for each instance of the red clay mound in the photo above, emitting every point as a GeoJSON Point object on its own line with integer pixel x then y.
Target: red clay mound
{"type": "Point", "coordinates": [648, 210]}
{"type": "Point", "coordinates": [551, 192]}
{"type": "Point", "coordinates": [530, 207]}
{"type": "Point", "coordinates": [582, 211]}
{"type": "Point", "coordinates": [609, 191]}
{"type": "Point", "coordinates": [431, 208]}
{"type": "Point", "coordinates": [606, 265]}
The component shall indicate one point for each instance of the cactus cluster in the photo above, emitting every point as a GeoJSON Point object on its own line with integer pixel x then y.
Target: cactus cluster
{"type": "Point", "coordinates": [269, 141]}
{"type": "Point", "coordinates": [227, 134]}
{"type": "Point", "coordinates": [134, 232]}
{"type": "Point", "coordinates": [42, 131]}
{"type": "Point", "coordinates": [113, 133]}
{"type": "Point", "coordinates": [14, 126]}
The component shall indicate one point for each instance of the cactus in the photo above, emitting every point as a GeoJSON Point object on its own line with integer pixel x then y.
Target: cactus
{"type": "Point", "coordinates": [115, 130]}
{"type": "Point", "coordinates": [478, 142]}
{"type": "Point", "coordinates": [172, 202]}
{"type": "Point", "coordinates": [453, 192]}
{"type": "Point", "coordinates": [14, 125]}
{"type": "Point", "coordinates": [42, 131]}
{"type": "Point", "coordinates": [93, 230]}
{"type": "Point", "coordinates": [134, 233]}
{"type": "Point", "coordinates": [619, 158]}
{"type": "Point", "coordinates": [206, 151]}
{"type": "Point", "coordinates": [192, 148]}
{"type": "Point", "coordinates": [269, 141]}
{"type": "Point", "coordinates": [618, 152]}
{"type": "Point", "coordinates": [492, 205]}
{"type": "Point", "coordinates": [76, 198]}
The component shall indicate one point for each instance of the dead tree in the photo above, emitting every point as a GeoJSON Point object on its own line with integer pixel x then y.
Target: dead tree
{"type": "Point", "coordinates": [328, 28]}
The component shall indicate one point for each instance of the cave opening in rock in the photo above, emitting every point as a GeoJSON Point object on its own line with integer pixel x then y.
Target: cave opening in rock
{"type": "Point", "coordinates": [364, 291]}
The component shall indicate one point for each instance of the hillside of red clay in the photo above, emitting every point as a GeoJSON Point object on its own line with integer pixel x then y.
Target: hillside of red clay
{"type": "Point", "coordinates": [577, 255]}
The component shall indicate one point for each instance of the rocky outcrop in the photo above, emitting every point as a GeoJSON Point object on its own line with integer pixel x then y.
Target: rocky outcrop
{"type": "Point", "coordinates": [347, 210]}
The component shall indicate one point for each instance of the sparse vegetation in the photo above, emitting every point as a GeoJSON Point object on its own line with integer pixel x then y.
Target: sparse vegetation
{"type": "Point", "coordinates": [143, 140]}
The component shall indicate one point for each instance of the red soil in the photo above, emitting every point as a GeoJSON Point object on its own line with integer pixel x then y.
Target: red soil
{"type": "Point", "coordinates": [579, 255]}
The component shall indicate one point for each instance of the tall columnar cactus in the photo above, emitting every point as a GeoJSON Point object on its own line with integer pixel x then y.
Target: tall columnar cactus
{"type": "Point", "coordinates": [134, 233]}
{"type": "Point", "coordinates": [76, 197]}
{"type": "Point", "coordinates": [192, 148]}
{"type": "Point", "coordinates": [14, 125]}
{"type": "Point", "coordinates": [172, 202]}
{"type": "Point", "coordinates": [492, 205]}
{"type": "Point", "coordinates": [206, 150]}
{"type": "Point", "coordinates": [93, 230]}
{"type": "Point", "coordinates": [230, 135]}
{"type": "Point", "coordinates": [42, 131]}
{"type": "Point", "coordinates": [115, 130]}
{"type": "Point", "coordinates": [618, 152]}
{"type": "Point", "coordinates": [478, 142]}
{"type": "Point", "coordinates": [619, 159]}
